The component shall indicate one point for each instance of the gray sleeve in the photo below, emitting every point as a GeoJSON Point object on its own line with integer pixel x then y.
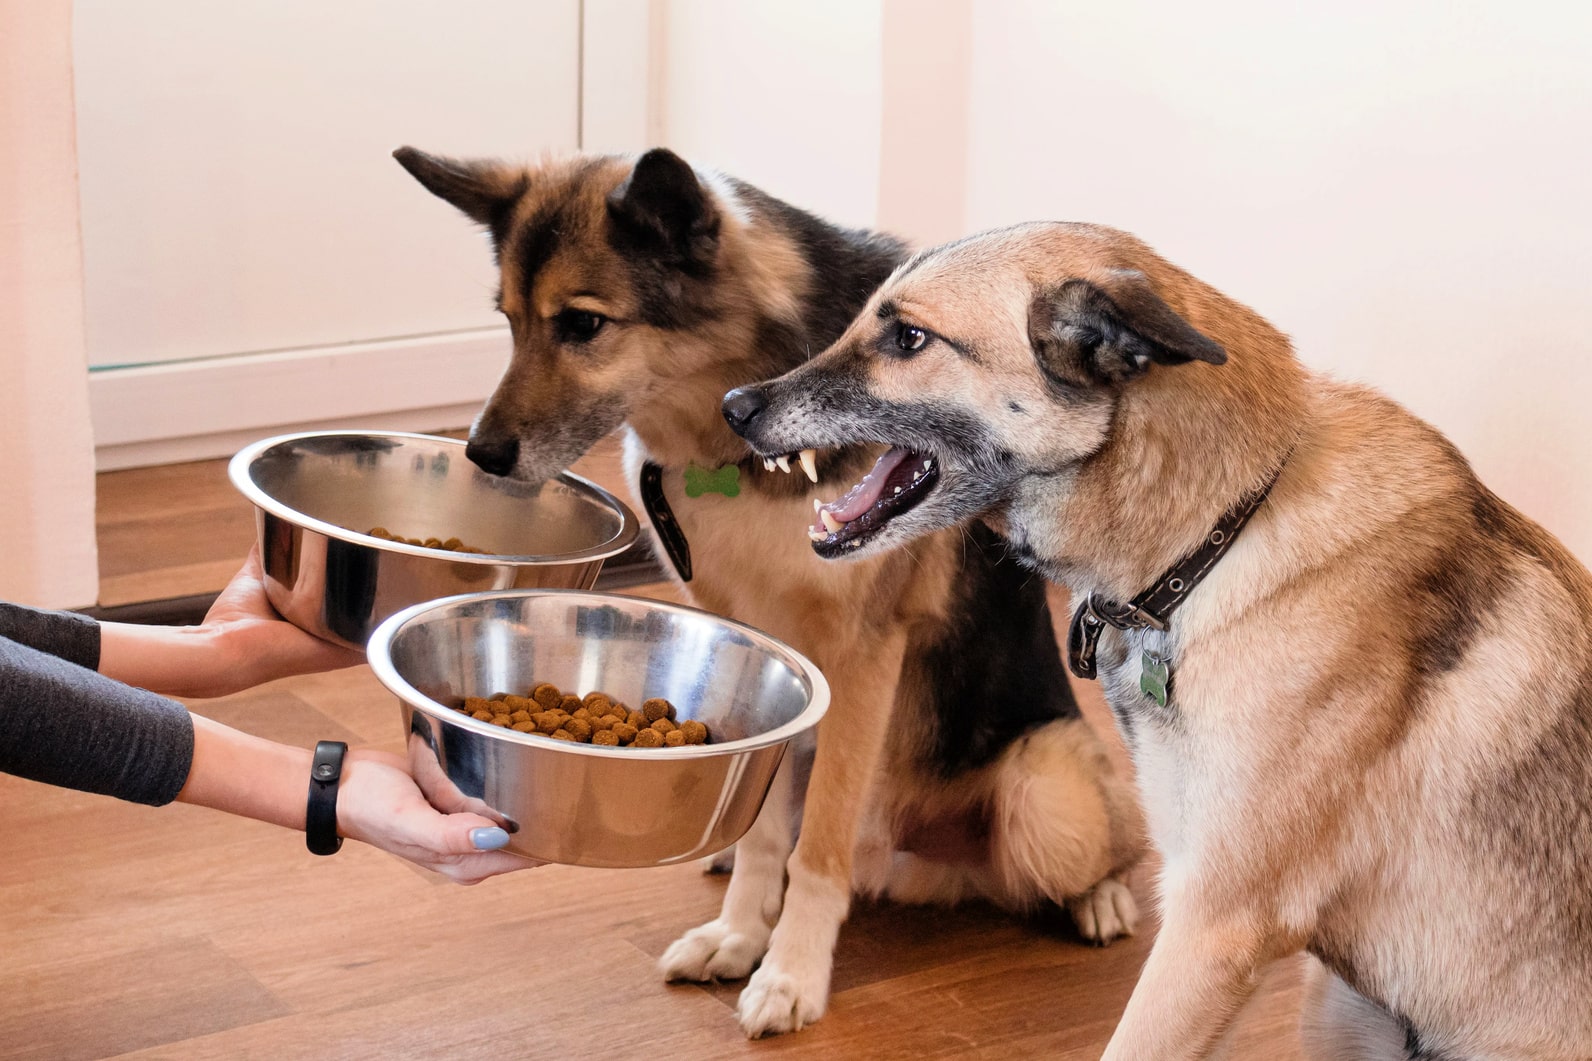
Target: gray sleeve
{"type": "Point", "coordinates": [66, 725]}
{"type": "Point", "coordinates": [73, 637]}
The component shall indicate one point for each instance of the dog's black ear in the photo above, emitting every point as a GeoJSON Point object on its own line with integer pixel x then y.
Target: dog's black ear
{"type": "Point", "coordinates": [486, 191]}
{"type": "Point", "coordinates": [663, 207]}
{"type": "Point", "coordinates": [1084, 332]}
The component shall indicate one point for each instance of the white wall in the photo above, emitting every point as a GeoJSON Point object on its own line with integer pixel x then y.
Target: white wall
{"type": "Point", "coordinates": [1401, 187]}
{"type": "Point", "coordinates": [238, 190]}
{"type": "Point", "coordinates": [783, 95]}
{"type": "Point", "coordinates": [47, 551]}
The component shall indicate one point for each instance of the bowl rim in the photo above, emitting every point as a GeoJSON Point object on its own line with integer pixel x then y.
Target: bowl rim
{"type": "Point", "coordinates": [238, 472]}
{"type": "Point", "coordinates": [377, 654]}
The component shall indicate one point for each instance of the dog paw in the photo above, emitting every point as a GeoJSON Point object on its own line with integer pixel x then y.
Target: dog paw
{"type": "Point", "coordinates": [714, 951]}
{"type": "Point", "coordinates": [777, 1001]}
{"type": "Point", "coordinates": [1105, 912]}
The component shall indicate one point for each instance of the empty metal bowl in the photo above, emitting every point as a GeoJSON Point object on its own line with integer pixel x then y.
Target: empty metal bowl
{"type": "Point", "coordinates": [316, 495]}
{"type": "Point", "coordinates": [586, 804]}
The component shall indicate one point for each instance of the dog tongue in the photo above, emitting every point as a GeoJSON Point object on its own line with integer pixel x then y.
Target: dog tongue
{"type": "Point", "coordinates": [860, 498]}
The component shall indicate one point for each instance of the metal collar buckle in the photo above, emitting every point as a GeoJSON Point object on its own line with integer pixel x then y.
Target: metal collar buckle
{"type": "Point", "coordinates": [1083, 634]}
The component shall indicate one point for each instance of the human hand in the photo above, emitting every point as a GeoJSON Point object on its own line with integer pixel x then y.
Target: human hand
{"type": "Point", "coordinates": [379, 804]}
{"type": "Point", "coordinates": [241, 643]}
{"type": "Point", "coordinates": [258, 644]}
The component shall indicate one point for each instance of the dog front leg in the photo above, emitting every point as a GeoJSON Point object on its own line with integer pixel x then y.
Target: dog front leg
{"type": "Point", "coordinates": [727, 947]}
{"type": "Point", "coordinates": [1204, 966]}
{"type": "Point", "coordinates": [791, 988]}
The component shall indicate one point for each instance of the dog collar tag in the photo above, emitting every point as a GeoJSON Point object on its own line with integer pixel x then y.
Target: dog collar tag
{"type": "Point", "coordinates": [700, 480]}
{"type": "Point", "coordinates": [1155, 675]}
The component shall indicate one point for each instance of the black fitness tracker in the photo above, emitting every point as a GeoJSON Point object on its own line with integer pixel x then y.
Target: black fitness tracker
{"type": "Point", "coordinates": [320, 816]}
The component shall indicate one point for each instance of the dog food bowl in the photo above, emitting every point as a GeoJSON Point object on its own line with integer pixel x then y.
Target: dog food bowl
{"type": "Point", "coordinates": [317, 494]}
{"type": "Point", "coordinates": [585, 804]}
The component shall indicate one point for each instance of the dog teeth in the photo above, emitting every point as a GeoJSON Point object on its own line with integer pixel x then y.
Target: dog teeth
{"type": "Point", "coordinates": [784, 463]}
{"type": "Point", "coordinates": [768, 464]}
{"type": "Point", "coordinates": [927, 465]}
{"type": "Point", "coordinates": [809, 461]}
{"type": "Point", "coordinates": [829, 519]}
{"type": "Point", "coordinates": [898, 489]}
{"type": "Point", "coordinates": [818, 506]}
{"type": "Point", "coordinates": [816, 535]}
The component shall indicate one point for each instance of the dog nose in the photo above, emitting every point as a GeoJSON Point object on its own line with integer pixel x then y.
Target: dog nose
{"type": "Point", "coordinates": [741, 407]}
{"type": "Point", "coordinates": [494, 458]}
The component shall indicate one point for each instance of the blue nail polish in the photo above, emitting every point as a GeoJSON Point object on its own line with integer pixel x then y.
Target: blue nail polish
{"type": "Point", "coordinates": [489, 839]}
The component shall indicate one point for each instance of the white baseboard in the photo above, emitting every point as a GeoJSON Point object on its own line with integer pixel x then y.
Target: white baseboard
{"type": "Point", "coordinates": [195, 410]}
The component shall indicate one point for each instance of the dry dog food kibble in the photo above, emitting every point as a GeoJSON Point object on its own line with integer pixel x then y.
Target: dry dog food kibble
{"type": "Point", "coordinates": [452, 545]}
{"type": "Point", "coordinates": [596, 718]}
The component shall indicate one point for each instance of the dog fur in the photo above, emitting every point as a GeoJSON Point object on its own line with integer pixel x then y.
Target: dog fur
{"type": "Point", "coordinates": [1378, 746]}
{"type": "Point", "coordinates": [638, 292]}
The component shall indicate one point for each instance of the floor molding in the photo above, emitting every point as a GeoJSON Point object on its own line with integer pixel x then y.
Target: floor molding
{"type": "Point", "coordinates": [196, 410]}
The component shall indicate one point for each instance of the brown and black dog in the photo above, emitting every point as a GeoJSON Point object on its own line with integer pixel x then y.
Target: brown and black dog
{"type": "Point", "coordinates": [638, 292]}
{"type": "Point", "coordinates": [1367, 730]}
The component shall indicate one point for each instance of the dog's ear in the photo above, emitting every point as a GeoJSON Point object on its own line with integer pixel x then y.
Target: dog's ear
{"type": "Point", "coordinates": [1084, 332]}
{"type": "Point", "coordinates": [486, 191]}
{"type": "Point", "coordinates": [664, 208]}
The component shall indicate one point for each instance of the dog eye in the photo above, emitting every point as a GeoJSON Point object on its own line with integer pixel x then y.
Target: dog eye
{"type": "Point", "coordinates": [578, 326]}
{"type": "Point", "coordinates": [910, 338]}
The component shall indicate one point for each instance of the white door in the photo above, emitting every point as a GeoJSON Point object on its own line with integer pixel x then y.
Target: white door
{"type": "Point", "coordinates": [253, 257]}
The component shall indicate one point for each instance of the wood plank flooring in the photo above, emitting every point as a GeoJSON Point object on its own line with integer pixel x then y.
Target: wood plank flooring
{"type": "Point", "coordinates": [182, 933]}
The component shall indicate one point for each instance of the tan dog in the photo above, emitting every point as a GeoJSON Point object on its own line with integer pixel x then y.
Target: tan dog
{"type": "Point", "coordinates": [639, 292]}
{"type": "Point", "coordinates": [1376, 740]}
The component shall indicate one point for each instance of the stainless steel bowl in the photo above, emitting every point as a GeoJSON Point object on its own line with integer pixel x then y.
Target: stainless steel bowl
{"type": "Point", "coordinates": [585, 804]}
{"type": "Point", "coordinates": [316, 494]}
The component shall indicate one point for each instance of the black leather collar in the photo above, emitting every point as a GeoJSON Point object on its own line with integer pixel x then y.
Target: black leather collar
{"type": "Point", "coordinates": [1154, 607]}
{"type": "Point", "coordinates": [664, 523]}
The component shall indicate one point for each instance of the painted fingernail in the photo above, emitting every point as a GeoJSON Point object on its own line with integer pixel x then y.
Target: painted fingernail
{"type": "Point", "coordinates": [489, 839]}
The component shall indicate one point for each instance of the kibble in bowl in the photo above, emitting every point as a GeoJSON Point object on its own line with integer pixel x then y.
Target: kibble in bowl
{"type": "Point", "coordinates": [572, 717]}
{"type": "Point", "coordinates": [628, 791]}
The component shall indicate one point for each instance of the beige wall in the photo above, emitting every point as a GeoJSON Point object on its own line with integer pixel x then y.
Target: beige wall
{"type": "Point", "coordinates": [1401, 187]}
{"type": "Point", "coordinates": [786, 96]}
{"type": "Point", "coordinates": [47, 554]}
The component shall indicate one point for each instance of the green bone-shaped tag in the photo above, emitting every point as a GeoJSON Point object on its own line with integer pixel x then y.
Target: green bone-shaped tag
{"type": "Point", "coordinates": [1154, 677]}
{"type": "Point", "coordinates": [699, 480]}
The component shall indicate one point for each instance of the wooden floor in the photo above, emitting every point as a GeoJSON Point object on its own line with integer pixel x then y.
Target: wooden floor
{"type": "Point", "coordinates": [182, 933]}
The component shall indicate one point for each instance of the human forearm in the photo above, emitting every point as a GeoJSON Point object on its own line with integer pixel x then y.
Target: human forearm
{"type": "Point", "coordinates": [65, 725]}
{"type": "Point", "coordinates": [377, 801]}
{"type": "Point", "coordinates": [241, 643]}
{"type": "Point", "coordinates": [246, 775]}
{"type": "Point", "coordinates": [173, 660]}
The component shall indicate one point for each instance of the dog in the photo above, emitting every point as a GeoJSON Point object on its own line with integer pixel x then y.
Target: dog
{"type": "Point", "coordinates": [638, 292]}
{"type": "Point", "coordinates": [1364, 731]}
